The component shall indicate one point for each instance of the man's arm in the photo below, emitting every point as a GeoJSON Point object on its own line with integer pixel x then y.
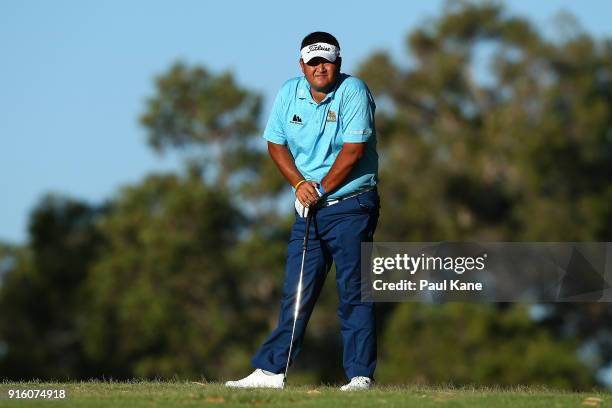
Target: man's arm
{"type": "Point", "coordinates": [345, 161]}
{"type": "Point", "coordinates": [357, 126]}
{"type": "Point", "coordinates": [283, 159]}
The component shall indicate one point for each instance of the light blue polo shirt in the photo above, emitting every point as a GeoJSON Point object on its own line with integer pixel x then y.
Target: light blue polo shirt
{"type": "Point", "coordinates": [315, 133]}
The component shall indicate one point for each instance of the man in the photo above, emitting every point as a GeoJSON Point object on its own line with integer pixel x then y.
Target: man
{"type": "Point", "coordinates": [322, 138]}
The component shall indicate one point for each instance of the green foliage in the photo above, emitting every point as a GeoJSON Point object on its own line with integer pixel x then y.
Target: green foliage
{"type": "Point", "coordinates": [511, 144]}
{"type": "Point", "coordinates": [41, 306]}
{"type": "Point", "coordinates": [194, 108]}
{"type": "Point", "coordinates": [493, 133]}
{"type": "Point", "coordinates": [164, 294]}
{"type": "Point", "coordinates": [462, 344]}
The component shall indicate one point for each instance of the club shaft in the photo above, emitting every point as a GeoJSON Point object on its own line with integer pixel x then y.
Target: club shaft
{"type": "Point", "coordinates": [298, 296]}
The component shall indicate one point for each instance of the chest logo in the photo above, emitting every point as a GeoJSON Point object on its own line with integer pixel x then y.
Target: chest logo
{"type": "Point", "coordinates": [296, 119]}
{"type": "Point", "coordinates": [331, 116]}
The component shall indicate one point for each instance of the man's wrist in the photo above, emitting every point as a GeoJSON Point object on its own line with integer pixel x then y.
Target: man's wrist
{"type": "Point", "coordinates": [321, 189]}
{"type": "Point", "coordinates": [299, 183]}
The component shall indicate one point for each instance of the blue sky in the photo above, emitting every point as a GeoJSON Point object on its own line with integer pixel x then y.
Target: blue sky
{"type": "Point", "coordinates": [75, 76]}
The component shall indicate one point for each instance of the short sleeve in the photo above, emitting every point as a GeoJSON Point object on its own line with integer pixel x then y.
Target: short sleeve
{"type": "Point", "coordinates": [358, 115]}
{"type": "Point", "coordinates": [274, 131]}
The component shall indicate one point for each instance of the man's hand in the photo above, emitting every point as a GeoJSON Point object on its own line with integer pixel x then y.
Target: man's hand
{"type": "Point", "coordinates": [307, 193]}
{"type": "Point", "coordinates": [302, 209]}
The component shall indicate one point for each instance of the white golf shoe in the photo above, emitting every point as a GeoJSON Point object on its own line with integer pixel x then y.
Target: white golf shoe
{"type": "Point", "coordinates": [358, 384]}
{"type": "Point", "coordinates": [259, 379]}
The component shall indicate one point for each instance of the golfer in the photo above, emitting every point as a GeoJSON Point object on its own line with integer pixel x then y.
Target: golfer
{"type": "Point", "coordinates": [322, 138]}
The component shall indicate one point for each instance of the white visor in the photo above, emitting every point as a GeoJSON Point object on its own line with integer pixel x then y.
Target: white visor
{"type": "Point", "coordinates": [324, 50]}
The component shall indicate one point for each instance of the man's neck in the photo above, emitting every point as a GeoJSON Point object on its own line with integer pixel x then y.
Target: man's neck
{"type": "Point", "coordinates": [318, 96]}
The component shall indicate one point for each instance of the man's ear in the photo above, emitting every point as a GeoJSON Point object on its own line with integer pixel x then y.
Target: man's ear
{"type": "Point", "coordinates": [302, 66]}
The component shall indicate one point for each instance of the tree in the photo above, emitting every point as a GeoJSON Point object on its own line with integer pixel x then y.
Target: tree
{"type": "Point", "coordinates": [42, 308]}
{"type": "Point", "coordinates": [210, 114]}
{"type": "Point", "coordinates": [164, 296]}
{"type": "Point", "coordinates": [496, 133]}
{"type": "Point", "coordinates": [465, 344]}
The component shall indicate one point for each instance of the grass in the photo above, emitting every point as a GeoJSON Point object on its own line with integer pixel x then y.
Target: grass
{"type": "Point", "coordinates": [184, 394]}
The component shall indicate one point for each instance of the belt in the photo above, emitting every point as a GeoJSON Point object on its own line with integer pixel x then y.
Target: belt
{"type": "Point", "coordinates": [337, 200]}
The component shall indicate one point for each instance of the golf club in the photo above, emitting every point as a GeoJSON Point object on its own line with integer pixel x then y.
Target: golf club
{"type": "Point", "coordinates": [298, 296]}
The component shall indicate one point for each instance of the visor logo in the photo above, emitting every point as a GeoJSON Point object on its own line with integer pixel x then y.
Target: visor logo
{"type": "Point", "coordinates": [318, 47]}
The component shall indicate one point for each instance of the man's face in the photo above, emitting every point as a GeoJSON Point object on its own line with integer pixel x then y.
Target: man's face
{"type": "Point", "coordinates": [320, 73]}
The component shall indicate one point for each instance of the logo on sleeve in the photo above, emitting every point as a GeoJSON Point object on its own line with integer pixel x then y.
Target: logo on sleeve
{"type": "Point", "coordinates": [297, 120]}
{"type": "Point", "coordinates": [331, 116]}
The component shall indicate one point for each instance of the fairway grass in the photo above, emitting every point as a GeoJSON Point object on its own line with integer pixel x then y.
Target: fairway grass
{"type": "Point", "coordinates": [196, 394]}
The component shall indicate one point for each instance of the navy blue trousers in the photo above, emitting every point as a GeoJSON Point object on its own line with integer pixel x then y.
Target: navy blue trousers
{"type": "Point", "coordinates": [336, 234]}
